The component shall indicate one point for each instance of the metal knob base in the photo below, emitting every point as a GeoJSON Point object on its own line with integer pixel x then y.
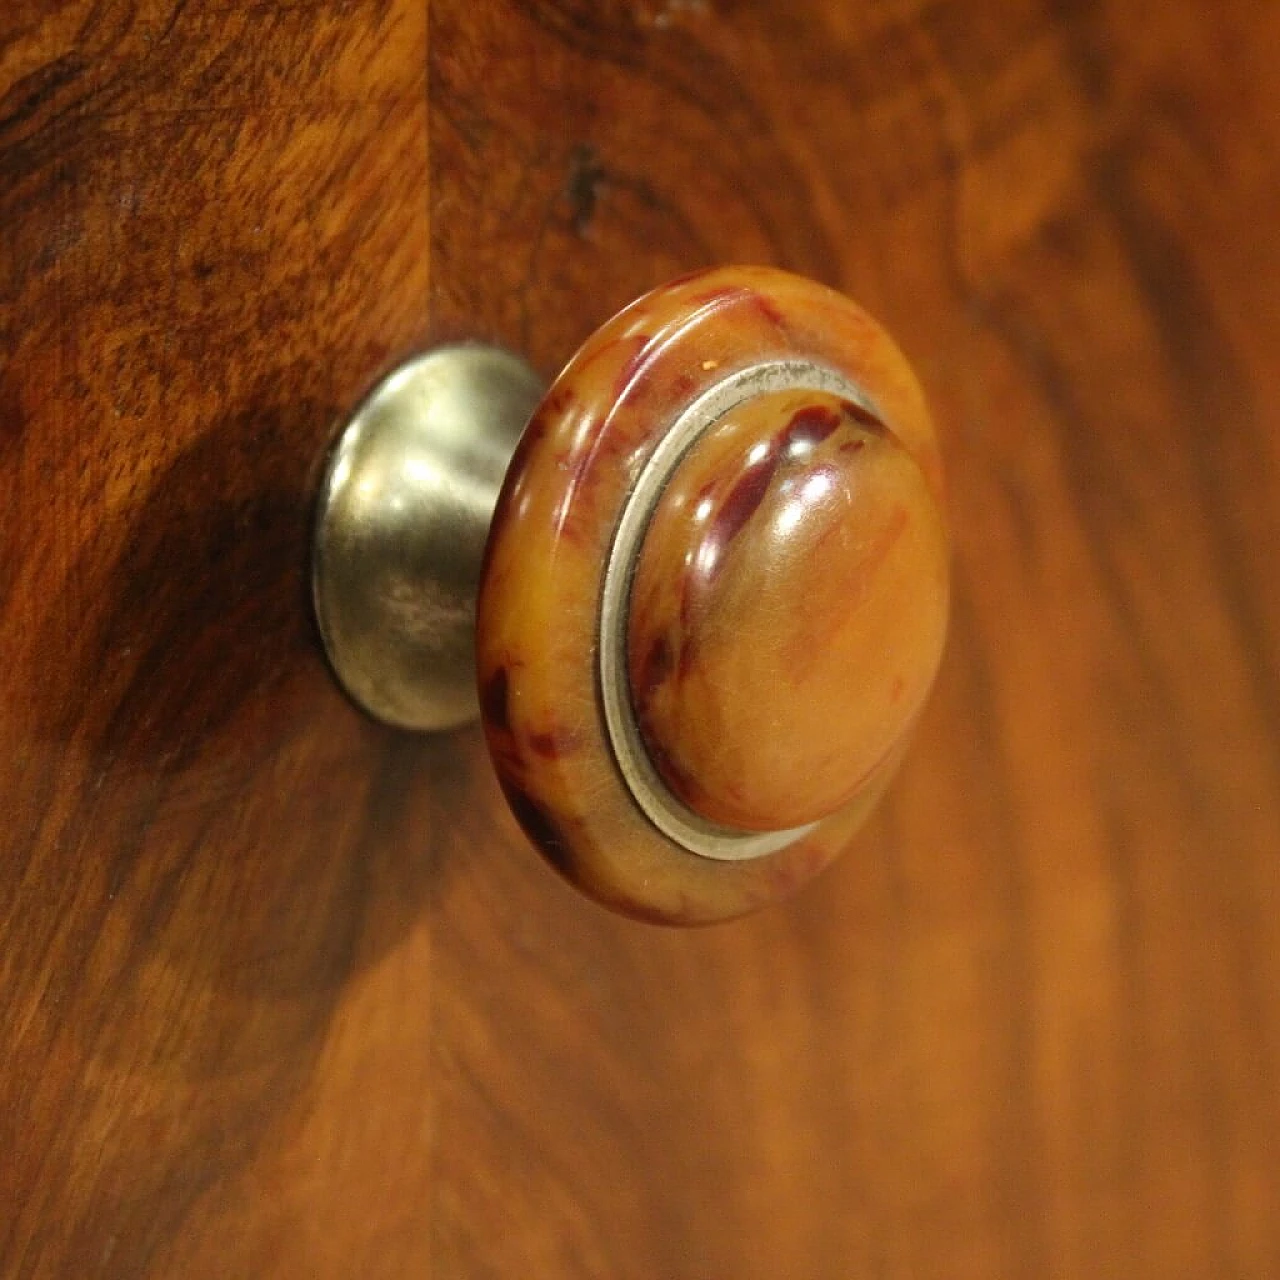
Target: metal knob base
{"type": "Point", "coordinates": [403, 517]}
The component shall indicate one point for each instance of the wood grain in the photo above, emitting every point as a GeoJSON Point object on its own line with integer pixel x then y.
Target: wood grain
{"type": "Point", "coordinates": [285, 994]}
{"type": "Point", "coordinates": [213, 871]}
{"type": "Point", "coordinates": [1028, 1026]}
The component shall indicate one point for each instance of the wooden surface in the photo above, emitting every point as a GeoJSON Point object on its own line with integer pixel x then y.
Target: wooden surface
{"type": "Point", "coordinates": [283, 994]}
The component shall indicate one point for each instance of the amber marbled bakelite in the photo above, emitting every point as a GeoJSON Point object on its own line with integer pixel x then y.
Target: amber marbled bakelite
{"type": "Point", "coordinates": [787, 610]}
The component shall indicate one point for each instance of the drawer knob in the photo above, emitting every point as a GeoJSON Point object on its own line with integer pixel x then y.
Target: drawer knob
{"type": "Point", "coordinates": [713, 597]}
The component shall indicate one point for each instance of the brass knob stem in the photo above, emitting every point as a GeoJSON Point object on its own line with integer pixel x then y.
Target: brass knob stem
{"type": "Point", "coordinates": [403, 515]}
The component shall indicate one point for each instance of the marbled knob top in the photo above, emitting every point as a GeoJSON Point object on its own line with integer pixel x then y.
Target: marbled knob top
{"type": "Point", "coordinates": [788, 611]}
{"type": "Point", "coordinates": [714, 595]}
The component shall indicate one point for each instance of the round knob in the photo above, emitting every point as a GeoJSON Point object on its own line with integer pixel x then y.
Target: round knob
{"type": "Point", "coordinates": [785, 614]}
{"type": "Point", "coordinates": [713, 597]}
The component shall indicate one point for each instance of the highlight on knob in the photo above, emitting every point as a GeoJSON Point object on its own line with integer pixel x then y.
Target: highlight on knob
{"type": "Point", "coordinates": [714, 596]}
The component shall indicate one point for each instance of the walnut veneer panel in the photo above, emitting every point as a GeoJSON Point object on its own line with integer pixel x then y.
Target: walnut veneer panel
{"type": "Point", "coordinates": [214, 991]}
{"type": "Point", "coordinates": [284, 994]}
{"type": "Point", "coordinates": [1028, 1026]}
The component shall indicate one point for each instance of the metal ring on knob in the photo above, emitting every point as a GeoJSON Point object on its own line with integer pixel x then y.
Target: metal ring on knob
{"type": "Point", "coordinates": [665, 810]}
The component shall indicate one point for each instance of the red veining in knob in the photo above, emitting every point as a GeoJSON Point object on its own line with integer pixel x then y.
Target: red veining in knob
{"type": "Point", "coordinates": [787, 612]}
{"type": "Point", "coordinates": [773, 616]}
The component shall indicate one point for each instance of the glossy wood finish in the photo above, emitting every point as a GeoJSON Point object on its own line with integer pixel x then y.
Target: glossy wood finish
{"type": "Point", "coordinates": [1028, 1027]}
{"type": "Point", "coordinates": [284, 994]}
{"type": "Point", "coordinates": [214, 873]}
{"type": "Point", "coordinates": [539, 615]}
